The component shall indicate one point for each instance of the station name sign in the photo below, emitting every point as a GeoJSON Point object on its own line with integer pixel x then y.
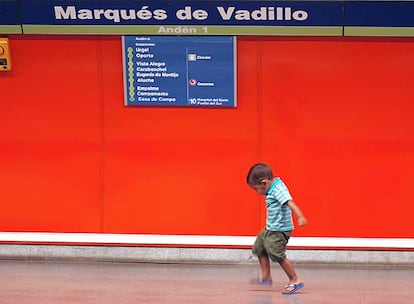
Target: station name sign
{"type": "Point", "coordinates": [222, 14]}
{"type": "Point", "coordinates": [191, 17]}
{"type": "Point", "coordinates": [9, 17]}
{"type": "Point", "coordinates": [180, 17]}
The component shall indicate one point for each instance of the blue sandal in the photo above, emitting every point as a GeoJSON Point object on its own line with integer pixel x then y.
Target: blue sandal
{"type": "Point", "coordinates": [292, 288]}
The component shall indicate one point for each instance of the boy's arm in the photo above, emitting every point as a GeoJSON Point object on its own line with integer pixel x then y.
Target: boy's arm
{"type": "Point", "coordinates": [299, 215]}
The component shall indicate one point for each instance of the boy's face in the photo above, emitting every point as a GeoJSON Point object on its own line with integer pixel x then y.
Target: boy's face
{"type": "Point", "coordinates": [262, 187]}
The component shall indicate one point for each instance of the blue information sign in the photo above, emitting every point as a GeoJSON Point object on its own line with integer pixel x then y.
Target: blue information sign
{"type": "Point", "coordinates": [180, 71]}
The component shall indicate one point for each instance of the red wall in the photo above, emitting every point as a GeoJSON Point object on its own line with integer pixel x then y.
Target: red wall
{"type": "Point", "coordinates": [333, 116]}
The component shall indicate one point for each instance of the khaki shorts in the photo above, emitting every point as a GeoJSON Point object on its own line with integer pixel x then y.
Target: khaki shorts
{"type": "Point", "coordinates": [271, 244]}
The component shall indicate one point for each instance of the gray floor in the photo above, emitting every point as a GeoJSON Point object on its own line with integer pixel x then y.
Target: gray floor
{"type": "Point", "coordinates": [116, 283]}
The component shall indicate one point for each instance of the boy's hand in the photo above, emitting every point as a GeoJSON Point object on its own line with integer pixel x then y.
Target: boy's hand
{"type": "Point", "coordinates": [302, 221]}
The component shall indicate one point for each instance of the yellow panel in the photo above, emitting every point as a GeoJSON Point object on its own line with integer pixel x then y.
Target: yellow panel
{"type": "Point", "coordinates": [5, 58]}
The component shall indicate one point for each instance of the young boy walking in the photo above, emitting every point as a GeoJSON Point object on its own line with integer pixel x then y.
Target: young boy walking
{"type": "Point", "coordinates": [271, 243]}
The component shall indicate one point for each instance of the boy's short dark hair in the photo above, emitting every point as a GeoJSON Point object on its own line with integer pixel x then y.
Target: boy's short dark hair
{"type": "Point", "coordinates": [258, 172]}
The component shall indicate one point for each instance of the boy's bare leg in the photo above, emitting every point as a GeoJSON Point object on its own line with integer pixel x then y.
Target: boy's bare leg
{"type": "Point", "coordinates": [265, 266]}
{"type": "Point", "coordinates": [288, 268]}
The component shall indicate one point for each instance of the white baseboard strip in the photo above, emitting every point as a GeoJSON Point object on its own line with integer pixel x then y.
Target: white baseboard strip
{"type": "Point", "coordinates": [200, 240]}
